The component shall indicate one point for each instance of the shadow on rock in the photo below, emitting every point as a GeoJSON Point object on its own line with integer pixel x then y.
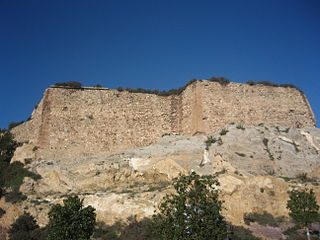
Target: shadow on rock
{"type": "Point", "coordinates": [131, 229]}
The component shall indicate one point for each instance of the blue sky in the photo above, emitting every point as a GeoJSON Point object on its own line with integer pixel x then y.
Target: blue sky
{"type": "Point", "coordinates": [154, 44]}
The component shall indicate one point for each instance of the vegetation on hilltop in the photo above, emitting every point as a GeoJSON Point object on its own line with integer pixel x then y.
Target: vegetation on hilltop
{"type": "Point", "coordinates": [71, 84]}
{"type": "Point", "coordinates": [222, 80]}
{"type": "Point", "coordinates": [272, 84]}
{"type": "Point", "coordinates": [176, 91]}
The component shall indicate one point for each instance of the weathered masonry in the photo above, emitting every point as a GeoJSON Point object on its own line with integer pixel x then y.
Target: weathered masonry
{"type": "Point", "coordinates": [81, 122]}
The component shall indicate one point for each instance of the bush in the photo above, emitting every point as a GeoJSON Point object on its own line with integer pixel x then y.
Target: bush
{"type": "Point", "coordinates": [194, 212]}
{"type": "Point", "coordinates": [271, 84]}
{"type": "Point", "coordinates": [223, 132]}
{"type": "Point", "coordinates": [240, 126]}
{"type": "Point", "coordinates": [265, 219]}
{"type": "Point", "coordinates": [2, 212]}
{"type": "Point", "coordinates": [11, 175]}
{"type": "Point", "coordinates": [251, 83]}
{"type": "Point", "coordinates": [210, 140]}
{"type": "Point", "coordinates": [71, 221]}
{"type": "Point", "coordinates": [14, 124]}
{"type": "Point", "coordinates": [302, 177]}
{"type": "Point", "coordinates": [120, 89]}
{"type": "Point", "coordinates": [69, 84]}
{"type": "Point", "coordinates": [222, 80]}
{"type": "Point", "coordinates": [240, 154]}
{"type": "Point", "coordinates": [15, 196]}
{"type": "Point", "coordinates": [174, 91]}
{"type": "Point", "coordinates": [267, 83]}
{"type": "Point", "coordinates": [240, 233]}
{"type": "Point", "coordinates": [15, 173]}
{"type": "Point", "coordinates": [23, 228]}
{"type": "Point", "coordinates": [7, 146]}
{"type": "Point", "coordinates": [290, 86]}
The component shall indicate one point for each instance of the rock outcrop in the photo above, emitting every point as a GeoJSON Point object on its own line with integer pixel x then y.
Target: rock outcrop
{"type": "Point", "coordinates": [251, 162]}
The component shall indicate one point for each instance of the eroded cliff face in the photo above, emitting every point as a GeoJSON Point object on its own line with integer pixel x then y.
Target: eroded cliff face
{"type": "Point", "coordinates": [251, 171]}
{"type": "Point", "coordinates": [72, 123]}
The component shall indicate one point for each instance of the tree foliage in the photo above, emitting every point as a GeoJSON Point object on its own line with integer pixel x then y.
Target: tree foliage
{"type": "Point", "coordinates": [7, 146]}
{"type": "Point", "coordinates": [71, 84]}
{"type": "Point", "coordinates": [71, 221]}
{"type": "Point", "coordinates": [222, 80]}
{"type": "Point", "coordinates": [194, 212]}
{"type": "Point", "coordinates": [11, 175]}
{"type": "Point", "coordinates": [24, 228]}
{"type": "Point", "coordinates": [303, 207]}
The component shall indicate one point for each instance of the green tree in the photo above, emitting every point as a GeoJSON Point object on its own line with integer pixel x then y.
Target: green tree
{"type": "Point", "coordinates": [71, 221]}
{"type": "Point", "coordinates": [7, 146]}
{"type": "Point", "coordinates": [194, 212]}
{"type": "Point", "coordinates": [24, 228]}
{"type": "Point", "coordinates": [303, 208]}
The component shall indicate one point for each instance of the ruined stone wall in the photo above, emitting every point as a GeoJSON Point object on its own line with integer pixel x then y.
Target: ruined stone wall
{"type": "Point", "coordinates": [252, 105]}
{"type": "Point", "coordinates": [81, 122]}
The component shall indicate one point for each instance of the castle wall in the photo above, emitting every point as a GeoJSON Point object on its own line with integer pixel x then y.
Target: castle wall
{"type": "Point", "coordinates": [72, 123]}
{"type": "Point", "coordinates": [252, 105]}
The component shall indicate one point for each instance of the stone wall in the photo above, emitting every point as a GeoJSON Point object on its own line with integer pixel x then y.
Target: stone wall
{"type": "Point", "coordinates": [81, 122]}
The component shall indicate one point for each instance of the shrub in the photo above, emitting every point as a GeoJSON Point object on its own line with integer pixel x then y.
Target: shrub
{"type": "Point", "coordinates": [302, 177]}
{"type": "Point", "coordinates": [14, 124]}
{"type": "Point", "coordinates": [271, 84]}
{"type": "Point", "coordinates": [2, 212]}
{"type": "Point", "coordinates": [240, 154]}
{"type": "Point", "coordinates": [23, 228]}
{"type": "Point", "coordinates": [15, 196]}
{"type": "Point", "coordinates": [11, 175]}
{"type": "Point", "coordinates": [219, 141]}
{"type": "Point", "coordinates": [223, 132]}
{"type": "Point", "coordinates": [267, 83]}
{"type": "Point", "coordinates": [7, 146]}
{"type": "Point", "coordinates": [71, 221]}
{"type": "Point", "coordinates": [192, 81]}
{"type": "Point", "coordinates": [222, 80]}
{"type": "Point", "coordinates": [35, 148]}
{"type": "Point", "coordinates": [265, 142]}
{"type": "Point", "coordinates": [210, 140]}
{"type": "Point", "coordinates": [251, 83]}
{"type": "Point", "coordinates": [69, 84]}
{"type": "Point", "coordinates": [290, 86]}
{"type": "Point", "coordinates": [240, 233]}
{"type": "Point", "coordinates": [14, 175]}
{"type": "Point", "coordinates": [265, 219]}
{"type": "Point", "coordinates": [98, 86]}
{"type": "Point", "coordinates": [194, 212]}
{"type": "Point", "coordinates": [120, 89]}
{"type": "Point", "coordinates": [240, 126]}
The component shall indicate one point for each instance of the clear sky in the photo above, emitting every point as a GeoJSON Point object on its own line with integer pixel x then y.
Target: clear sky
{"type": "Point", "coordinates": [154, 44]}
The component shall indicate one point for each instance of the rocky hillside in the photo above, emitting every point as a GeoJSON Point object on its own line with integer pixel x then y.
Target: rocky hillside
{"type": "Point", "coordinates": [256, 166]}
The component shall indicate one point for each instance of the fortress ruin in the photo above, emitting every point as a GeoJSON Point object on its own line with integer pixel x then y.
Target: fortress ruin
{"type": "Point", "coordinates": [71, 122]}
